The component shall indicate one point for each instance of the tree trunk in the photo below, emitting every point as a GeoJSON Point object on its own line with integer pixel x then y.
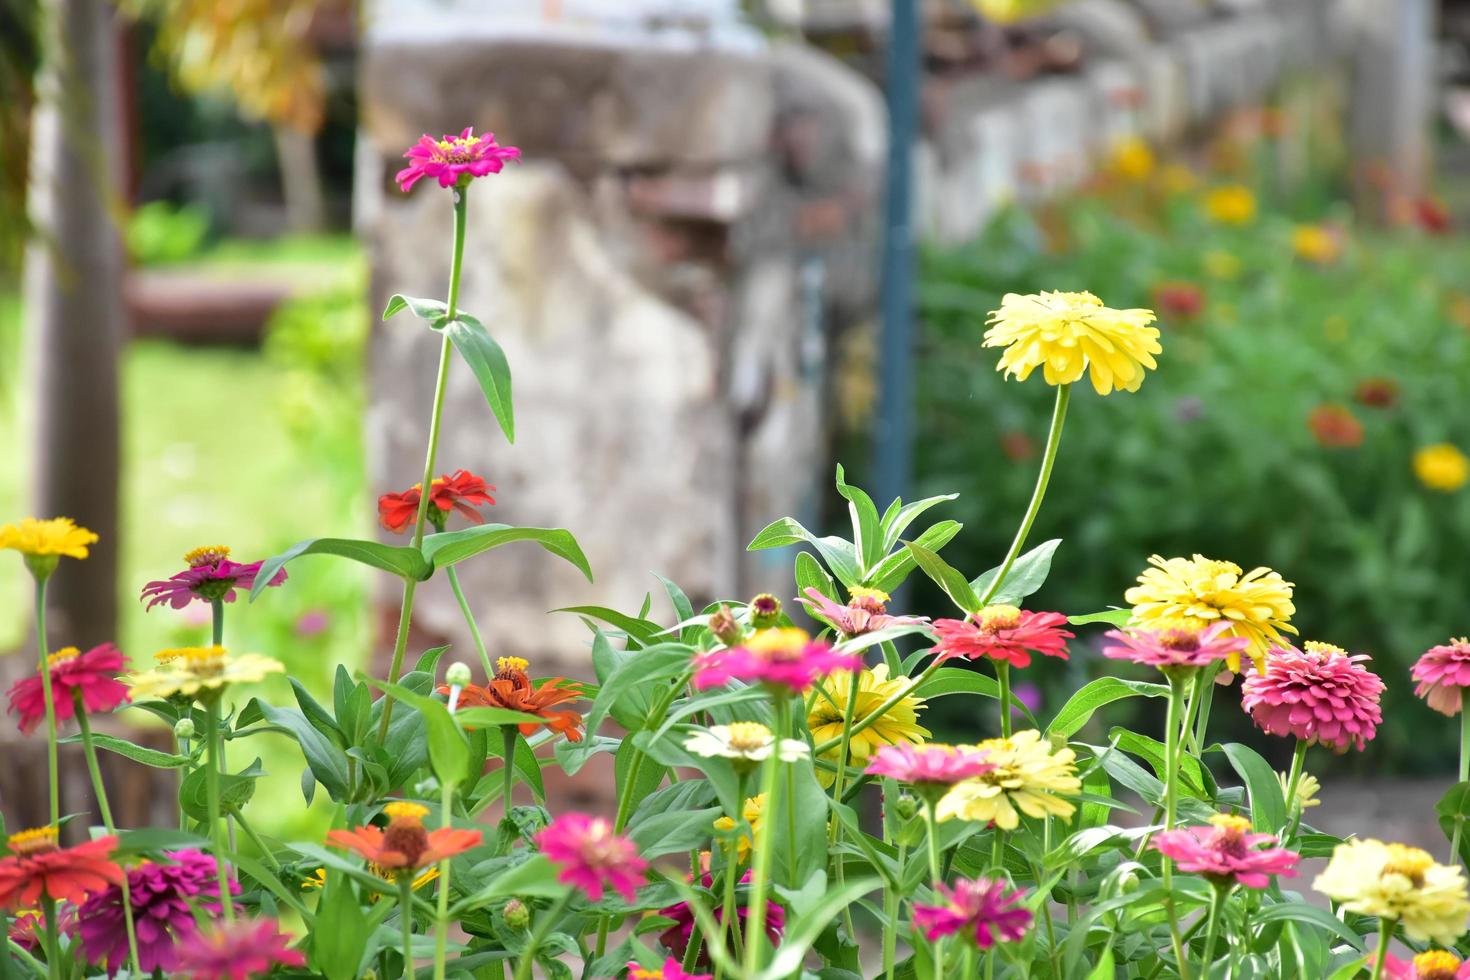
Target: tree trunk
{"type": "Point", "coordinates": [301, 180]}
{"type": "Point", "coordinates": [74, 307]}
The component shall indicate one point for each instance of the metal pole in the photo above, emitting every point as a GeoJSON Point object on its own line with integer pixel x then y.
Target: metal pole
{"type": "Point", "coordinates": [893, 430]}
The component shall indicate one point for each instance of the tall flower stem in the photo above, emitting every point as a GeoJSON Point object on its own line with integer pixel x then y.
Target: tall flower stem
{"type": "Point", "coordinates": [52, 768]}
{"type": "Point", "coordinates": [890, 914]}
{"type": "Point", "coordinates": [53, 938]}
{"type": "Point", "coordinates": [217, 622]}
{"type": "Point", "coordinates": [936, 875]}
{"type": "Point", "coordinates": [1293, 781]}
{"type": "Point", "coordinates": [441, 918]}
{"type": "Point", "coordinates": [469, 618]}
{"type": "Point", "coordinates": [1003, 682]}
{"type": "Point", "coordinates": [1464, 770]}
{"type": "Point", "coordinates": [508, 770]}
{"type": "Point", "coordinates": [844, 751]}
{"type": "Point", "coordinates": [446, 350]}
{"type": "Point", "coordinates": [761, 863]}
{"type": "Point", "coordinates": [730, 916]}
{"type": "Point", "coordinates": [1385, 936]}
{"type": "Point", "coordinates": [1203, 700]}
{"type": "Point", "coordinates": [405, 916]}
{"type": "Point", "coordinates": [544, 923]}
{"type": "Point", "coordinates": [1177, 688]}
{"type": "Point", "coordinates": [95, 770]}
{"type": "Point", "coordinates": [1213, 923]}
{"type": "Point", "coordinates": [211, 789]}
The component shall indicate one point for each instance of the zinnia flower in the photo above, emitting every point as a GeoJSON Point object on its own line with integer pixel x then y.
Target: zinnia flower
{"type": "Point", "coordinates": [1231, 205]}
{"type": "Point", "coordinates": [898, 725]}
{"type": "Point", "coordinates": [1392, 881]}
{"type": "Point", "coordinates": [247, 948]}
{"type": "Point", "coordinates": [397, 512]}
{"type": "Point", "coordinates": [1181, 300]}
{"type": "Point", "coordinates": [753, 810]}
{"type": "Point", "coordinates": [746, 742]}
{"type": "Point", "coordinates": [786, 659]}
{"type": "Point", "coordinates": [1317, 244]}
{"type": "Point", "coordinates": [1443, 674]}
{"type": "Point", "coordinates": [405, 845]}
{"type": "Point", "coordinates": [201, 672]}
{"type": "Point", "coordinates": [210, 576]}
{"type": "Point", "coordinates": [676, 937]}
{"type": "Point", "coordinates": [57, 537]}
{"type": "Point", "coordinates": [511, 688]}
{"type": "Point", "coordinates": [1066, 334]}
{"type": "Point", "coordinates": [25, 929]}
{"type": "Point", "coordinates": [1307, 788]}
{"type": "Point", "coordinates": [454, 159]}
{"type": "Point", "coordinates": [985, 911]}
{"type": "Point", "coordinates": [1335, 427]}
{"type": "Point", "coordinates": [1028, 777]}
{"type": "Point", "coordinates": [1436, 964]}
{"type": "Point", "coordinates": [1227, 853]}
{"type": "Point", "coordinates": [1003, 633]}
{"type": "Point", "coordinates": [163, 898]}
{"type": "Point", "coordinates": [1442, 467]}
{"type": "Point", "coordinates": [93, 675]}
{"type": "Point", "coordinates": [930, 765]}
{"type": "Point", "coordinates": [1131, 159]}
{"type": "Point", "coordinates": [591, 856]}
{"type": "Point", "coordinates": [1377, 392]}
{"type": "Point", "coordinates": [671, 969]}
{"type": "Point", "coordinates": [866, 612]}
{"type": "Point", "coordinates": [1257, 604]}
{"type": "Point", "coordinates": [1319, 694]}
{"type": "Point", "coordinates": [1183, 645]}
{"type": "Point", "coordinates": [36, 866]}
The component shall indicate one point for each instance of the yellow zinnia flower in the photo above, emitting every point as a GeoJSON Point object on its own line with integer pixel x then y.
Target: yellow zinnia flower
{"type": "Point", "coordinates": [192, 671]}
{"type": "Point", "coordinates": [1442, 467]}
{"type": "Point", "coordinates": [1315, 244]}
{"type": "Point", "coordinates": [1132, 159]}
{"type": "Point", "coordinates": [43, 543]}
{"type": "Point", "coordinates": [899, 724]}
{"type": "Point", "coordinates": [1401, 883]}
{"type": "Point", "coordinates": [1202, 590]}
{"type": "Point", "coordinates": [1068, 333]}
{"type": "Point", "coordinates": [1028, 778]}
{"type": "Point", "coordinates": [754, 813]}
{"type": "Point", "coordinates": [1231, 204]}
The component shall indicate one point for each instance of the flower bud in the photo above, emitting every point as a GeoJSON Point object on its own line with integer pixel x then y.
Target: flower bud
{"type": "Point", "coordinates": [765, 611]}
{"type": "Point", "coordinates": [907, 807]}
{"type": "Point", "coordinates": [184, 729]}
{"type": "Point", "coordinates": [722, 624]}
{"type": "Point", "coordinates": [517, 916]}
{"type": "Point", "coordinates": [458, 675]}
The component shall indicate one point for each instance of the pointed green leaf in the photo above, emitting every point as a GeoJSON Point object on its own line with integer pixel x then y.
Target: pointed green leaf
{"type": "Point", "coordinates": [428, 310]}
{"type": "Point", "coordinates": [1105, 690]}
{"type": "Point", "coordinates": [1027, 574]}
{"type": "Point", "coordinates": [946, 577]}
{"type": "Point", "coordinates": [491, 369]}
{"type": "Point", "coordinates": [451, 547]}
{"type": "Point", "coordinates": [892, 570]}
{"type": "Point", "coordinates": [403, 562]}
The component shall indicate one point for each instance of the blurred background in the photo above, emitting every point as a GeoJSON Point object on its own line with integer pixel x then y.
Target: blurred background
{"type": "Point", "coordinates": [748, 240]}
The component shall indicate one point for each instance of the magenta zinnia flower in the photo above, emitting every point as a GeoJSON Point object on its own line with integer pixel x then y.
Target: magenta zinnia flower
{"type": "Point", "coordinates": [248, 948]}
{"type": "Point", "coordinates": [781, 658]}
{"type": "Point", "coordinates": [210, 576]}
{"type": "Point", "coordinates": [454, 158]}
{"type": "Point", "coordinates": [672, 969]}
{"type": "Point", "coordinates": [934, 765]}
{"type": "Point", "coordinates": [1436, 964]}
{"type": "Point", "coordinates": [591, 856]}
{"type": "Point", "coordinates": [1003, 633]}
{"type": "Point", "coordinates": [865, 612]}
{"type": "Point", "coordinates": [1227, 853]}
{"type": "Point", "coordinates": [161, 898]}
{"type": "Point", "coordinates": [676, 937]}
{"type": "Point", "coordinates": [1443, 674]}
{"type": "Point", "coordinates": [92, 674]}
{"type": "Point", "coordinates": [1175, 648]}
{"type": "Point", "coordinates": [1319, 694]}
{"type": "Point", "coordinates": [985, 911]}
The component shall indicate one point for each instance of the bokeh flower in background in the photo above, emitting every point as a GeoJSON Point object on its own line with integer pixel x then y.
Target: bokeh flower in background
{"type": "Point", "coordinates": [1131, 159]}
{"type": "Point", "coordinates": [1178, 300]}
{"type": "Point", "coordinates": [1317, 244]}
{"type": "Point", "coordinates": [1335, 427]}
{"type": "Point", "coordinates": [1442, 467]}
{"type": "Point", "coordinates": [1067, 334]}
{"type": "Point", "coordinates": [237, 951]}
{"type": "Point", "coordinates": [1377, 392]}
{"type": "Point", "coordinates": [1230, 204]}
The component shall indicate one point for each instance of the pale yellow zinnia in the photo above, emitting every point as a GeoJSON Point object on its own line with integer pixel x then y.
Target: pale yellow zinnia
{"type": "Point", "coordinates": [1405, 884]}
{"type": "Point", "coordinates": [754, 812]}
{"type": "Point", "coordinates": [1029, 777]}
{"type": "Point", "coordinates": [200, 672]}
{"type": "Point", "coordinates": [899, 723]}
{"type": "Point", "coordinates": [1257, 604]}
{"type": "Point", "coordinates": [1066, 334]}
{"type": "Point", "coordinates": [59, 536]}
{"type": "Point", "coordinates": [1442, 467]}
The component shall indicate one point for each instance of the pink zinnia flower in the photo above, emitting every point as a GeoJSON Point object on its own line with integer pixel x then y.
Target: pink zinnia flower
{"type": "Point", "coordinates": [162, 896]}
{"type": "Point", "coordinates": [248, 948]}
{"type": "Point", "coordinates": [92, 674]}
{"type": "Point", "coordinates": [1436, 964]}
{"type": "Point", "coordinates": [672, 969]}
{"type": "Point", "coordinates": [454, 159]}
{"type": "Point", "coordinates": [1227, 853]}
{"type": "Point", "coordinates": [210, 575]}
{"type": "Point", "coordinates": [1443, 673]}
{"type": "Point", "coordinates": [865, 612]}
{"type": "Point", "coordinates": [984, 910]}
{"type": "Point", "coordinates": [676, 937]}
{"type": "Point", "coordinates": [591, 856]}
{"type": "Point", "coordinates": [934, 765]}
{"type": "Point", "coordinates": [1319, 694]}
{"type": "Point", "coordinates": [783, 658]}
{"type": "Point", "coordinates": [1003, 633]}
{"type": "Point", "coordinates": [1181, 647]}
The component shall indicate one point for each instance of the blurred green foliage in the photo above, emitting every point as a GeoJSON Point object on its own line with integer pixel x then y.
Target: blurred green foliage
{"type": "Point", "coordinates": [159, 232]}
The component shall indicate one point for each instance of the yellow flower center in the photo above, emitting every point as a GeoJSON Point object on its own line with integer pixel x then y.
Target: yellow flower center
{"type": "Point", "coordinates": [404, 811]}
{"type": "Point", "coordinates": [458, 150]}
{"type": "Point", "coordinates": [41, 840]}
{"type": "Point", "coordinates": [999, 617]}
{"type": "Point", "coordinates": [747, 736]}
{"type": "Point", "coordinates": [1436, 965]}
{"type": "Point", "coordinates": [643, 973]}
{"type": "Point", "coordinates": [859, 592]}
{"type": "Point", "coordinates": [504, 664]}
{"type": "Point", "coordinates": [1315, 646]}
{"type": "Point", "coordinates": [65, 653]}
{"type": "Point", "coordinates": [1230, 828]}
{"type": "Point", "coordinates": [1410, 862]}
{"type": "Point", "coordinates": [779, 644]}
{"type": "Point", "coordinates": [201, 662]}
{"type": "Point", "coordinates": [211, 554]}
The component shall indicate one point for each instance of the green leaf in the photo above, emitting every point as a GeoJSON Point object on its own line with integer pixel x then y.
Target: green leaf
{"type": "Point", "coordinates": [801, 933]}
{"type": "Point", "coordinates": [533, 878]}
{"type": "Point", "coordinates": [340, 931]}
{"type": "Point", "coordinates": [625, 693]}
{"type": "Point", "coordinates": [235, 790]}
{"type": "Point", "coordinates": [1191, 777]}
{"type": "Point", "coordinates": [451, 547]}
{"type": "Point", "coordinates": [491, 369]}
{"type": "Point", "coordinates": [428, 661]}
{"type": "Point", "coordinates": [1268, 803]}
{"type": "Point", "coordinates": [1113, 617]}
{"type": "Point", "coordinates": [894, 524]}
{"type": "Point", "coordinates": [866, 535]}
{"type": "Point", "coordinates": [839, 555]}
{"type": "Point", "coordinates": [894, 569]}
{"type": "Point", "coordinates": [449, 751]}
{"type": "Point", "coordinates": [811, 575]}
{"type": "Point", "coordinates": [149, 757]}
{"type": "Point", "coordinates": [639, 630]}
{"type": "Point", "coordinates": [328, 763]}
{"type": "Point", "coordinates": [1027, 574]}
{"type": "Point", "coordinates": [319, 717]}
{"type": "Point", "coordinates": [946, 577]}
{"type": "Point", "coordinates": [494, 717]}
{"type": "Point", "coordinates": [1309, 914]}
{"type": "Point", "coordinates": [154, 840]}
{"type": "Point", "coordinates": [1105, 690]}
{"type": "Point", "coordinates": [1454, 808]}
{"type": "Point", "coordinates": [404, 562]}
{"type": "Point", "coordinates": [428, 310]}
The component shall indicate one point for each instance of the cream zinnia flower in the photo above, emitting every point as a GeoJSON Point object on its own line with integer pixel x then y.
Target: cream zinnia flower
{"type": "Point", "coordinates": [744, 741]}
{"type": "Point", "coordinates": [898, 724]}
{"type": "Point", "coordinates": [1066, 334]}
{"type": "Point", "coordinates": [1028, 777]}
{"type": "Point", "coordinates": [1257, 604]}
{"type": "Point", "coordinates": [201, 672]}
{"type": "Point", "coordinates": [1402, 883]}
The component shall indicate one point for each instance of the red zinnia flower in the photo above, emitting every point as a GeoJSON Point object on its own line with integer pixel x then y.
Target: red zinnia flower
{"type": "Point", "coordinates": [1005, 633]}
{"type": "Point", "coordinates": [1320, 694]}
{"type": "Point", "coordinates": [1432, 216]}
{"type": "Point", "coordinates": [36, 866]}
{"type": "Point", "coordinates": [1181, 300]}
{"type": "Point", "coordinates": [93, 675]}
{"type": "Point", "coordinates": [511, 688]}
{"type": "Point", "coordinates": [245, 949]}
{"type": "Point", "coordinates": [454, 159]}
{"type": "Point", "coordinates": [1227, 853]}
{"type": "Point", "coordinates": [398, 511]}
{"type": "Point", "coordinates": [1335, 427]}
{"type": "Point", "coordinates": [591, 856]}
{"type": "Point", "coordinates": [1377, 392]}
{"type": "Point", "coordinates": [405, 846]}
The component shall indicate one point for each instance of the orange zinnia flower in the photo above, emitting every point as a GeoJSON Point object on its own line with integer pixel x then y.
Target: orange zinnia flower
{"type": "Point", "coordinates": [511, 688]}
{"type": "Point", "coordinates": [461, 491]}
{"type": "Point", "coordinates": [405, 846]}
{"type": "Point", "coordinates": [36, 866]}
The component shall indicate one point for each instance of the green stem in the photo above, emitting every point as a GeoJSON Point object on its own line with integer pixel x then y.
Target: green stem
{"type": "Point", "coordinates": [543, 926]}
{"type": "Point", "coordinates": [256, 839]}
{"type": "Point", "coordinates": [788, 725]}
{"type": "Point", "coordinates": [405, 916]}
{"type": "Point", "coordinates": [1048, 459]}
{"type": "Point", "coordinates": [95, 770]}
{"type": "Point", "coordinates": [53, 938]}
{"type": "Point", "coordinates": [1003, 681]}
{"type": "Point", "coordinates": [1293, 781]}
{"type": "Point", "coordinates": [998, 851]}
{"type": "Point", "coordinates": [441, 919]}
{"type": "Point", "coordinates": [755, 932]}
{"type": "Point", "coordinates": [1205, 698]}
{"type": "Point", "coordinates": [217, 622]}
{"type": "Point", "coordinates": [844, 749]}
{"type": "Point", "coordinates": [890, 915]}
{"type": "Point", "coordinates": [469, 618]}
{"type": "Point", "coordinates": [1210, 929]}
{"type": "Point", "coordinates": [1464, 770]}
{"type": "Point", "coordinates": [936, 875]}
{"type": "Point", "coordinates": [1177, 687]}
{"type": "Point", "coordinates": [508, 735]}
{"type": "Point", "coordinates": [730, 916]}
{"type": "Point", "coordinates": [52, 768]}
{"type": "Point", "coordinates": [1385, 936]}
{"type": "Point", "coordinates": [211, 789]}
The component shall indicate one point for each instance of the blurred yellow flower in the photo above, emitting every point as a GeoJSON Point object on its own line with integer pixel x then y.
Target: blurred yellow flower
{"type": "Point", "coordinates": [1231, 204]}
{"type": "Point", "coordinates": [1132, 159]}
{"type": "Point", "coordinates": [1179, 179]}
{"type": "Point", "coordinates": [1202, 590]}
{"type": "Point", "coordinates": [899, 724]}
{"type": "Point", "coordinates": [1398, 883]}
{"type": "Point", "coordinates": [754, 812]}
{"type": "Point", "coordinates": [1068, 333]}
{"type": "Point", "coordinates": [1307, 788]}
{"type": "Point", "coordinates": [1442, 467]}
{"type": "Point", "coordinates": [1029, 777]}
{"type": "Point", "coordinates": [39, 538]}
{"type": "Point", "coordinates": [1222, 265]}
{"type": "Point", "coordinates": [192, 671]}
{"type": "Point", "coordinates": [1011, 11]}
{"type": "Point", "coordinates": [1315, 243]}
